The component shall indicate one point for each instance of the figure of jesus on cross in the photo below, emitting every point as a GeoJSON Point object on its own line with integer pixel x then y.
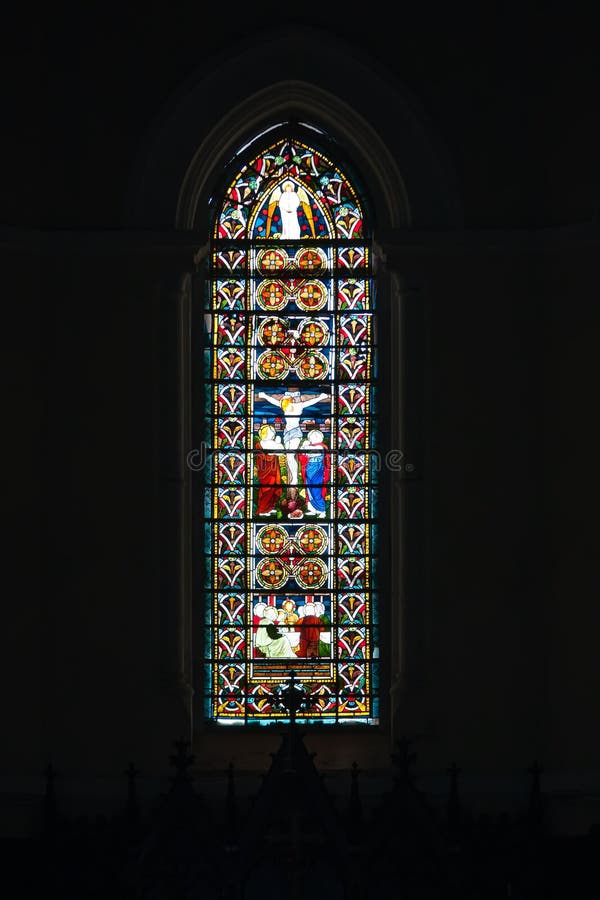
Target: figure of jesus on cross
{"type": "Point", "coordinates": [292, 406]}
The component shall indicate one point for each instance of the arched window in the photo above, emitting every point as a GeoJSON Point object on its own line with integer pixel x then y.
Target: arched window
{"type": "Point", "coordinates": [291, 432]}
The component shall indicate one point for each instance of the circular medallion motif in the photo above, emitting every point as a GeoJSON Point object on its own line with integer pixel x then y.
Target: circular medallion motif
{"type": "Point", "coordinates": [312, 539]}
{"type": "Point", "coordinates": [272, 331]}
{"type": "Point", "coordinates": [271, 296]}
{"type": "Point", "coordinates": [271, 539]}
{"type": "Point", "coordinates": [271, 573]}
{"type": "Point", "coordinates": [272, 364]}
{"type": "Point", "coordinates": [311, 260]}
{"type": "Point", "coordinates": [312, 296]}
{"type": "Point", "coordinates": [314, 333]}
{"type": "Point", "coordinates": [313, 365]}
{"type": "Point", "coordinates": [311, 573]}
{"type": "Point", "coordinates": [271, 261]}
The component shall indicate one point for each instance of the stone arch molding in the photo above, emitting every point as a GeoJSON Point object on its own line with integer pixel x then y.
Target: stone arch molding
{"type": "Point", "coordinates": [305, 103]}
{"type": "Point", "coordinates": [379, 127]}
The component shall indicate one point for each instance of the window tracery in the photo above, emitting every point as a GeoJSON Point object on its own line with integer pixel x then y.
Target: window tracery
{"type": "Point", "coordinates": [291, 487]}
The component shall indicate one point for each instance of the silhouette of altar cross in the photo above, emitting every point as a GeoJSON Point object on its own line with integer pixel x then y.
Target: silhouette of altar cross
{"type": "Point", "coordinates": [291, 698]}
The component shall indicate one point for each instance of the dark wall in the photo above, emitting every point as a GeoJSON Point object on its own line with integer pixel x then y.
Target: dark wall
{"type": "Point", "coordinates": [509, 89]}
{"type": "Point", "coordinates": [512, 329]}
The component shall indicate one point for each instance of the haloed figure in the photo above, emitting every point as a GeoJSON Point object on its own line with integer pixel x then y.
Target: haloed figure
{"type": "Point", "coordinates": [290, 198]}
{"type": "Point", "coordinates": [288, 206]}
{"type": "Point", "coordinates": [314, 461]}
{"type": "Point", "coordinates": [268, 470]}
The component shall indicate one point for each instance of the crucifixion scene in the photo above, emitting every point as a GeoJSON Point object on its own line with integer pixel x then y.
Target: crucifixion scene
{"type": "Point", "coordinates": [292, 459]}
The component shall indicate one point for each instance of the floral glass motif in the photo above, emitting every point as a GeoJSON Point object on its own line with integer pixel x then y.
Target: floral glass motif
{"type": "Point", "coordinates": [290, 488]}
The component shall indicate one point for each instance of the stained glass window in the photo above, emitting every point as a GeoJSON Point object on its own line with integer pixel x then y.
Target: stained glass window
{"type": "Point", "coordinates": [291, 470]}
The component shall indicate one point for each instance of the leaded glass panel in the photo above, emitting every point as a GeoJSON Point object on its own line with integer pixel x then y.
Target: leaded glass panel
{"type": "Point", "coordinates": [291, 470]}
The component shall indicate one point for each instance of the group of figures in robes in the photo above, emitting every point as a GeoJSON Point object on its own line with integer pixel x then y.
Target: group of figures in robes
{"type": "Point", "coordinates": [284, 633]}
{"type": "Point", "coordinates": [307, 455]}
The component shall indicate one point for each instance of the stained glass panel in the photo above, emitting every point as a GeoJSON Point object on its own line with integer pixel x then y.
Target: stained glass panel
{"type": "Point", "coordinates": [291, 468]}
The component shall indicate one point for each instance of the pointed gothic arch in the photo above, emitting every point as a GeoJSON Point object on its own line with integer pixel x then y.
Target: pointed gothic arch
{"type": "Point", "coordinates": [383, 136]}
{"type": "Point", "coordinates": [237, 94]}
{"type": "Point", "coordinates": [317, 110]}
{"type": "Point", "coordinates": [291, 476]}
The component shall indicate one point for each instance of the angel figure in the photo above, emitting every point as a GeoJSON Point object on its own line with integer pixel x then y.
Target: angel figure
{"type": "Point", "coordinates": [290, 198]}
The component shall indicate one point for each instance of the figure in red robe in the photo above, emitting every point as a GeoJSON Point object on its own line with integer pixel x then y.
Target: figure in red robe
{"type": "Point", "coordinates": [268, 470]}
{"type": "Point", "coordinates": [310, 627]}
